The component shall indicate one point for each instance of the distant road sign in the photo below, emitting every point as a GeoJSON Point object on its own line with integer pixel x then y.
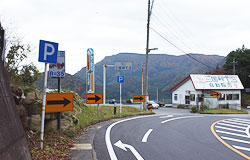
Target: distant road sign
{"type": "Point", "coordinates": [58, 70]}
{"type": "Point", "coordinates": [94, 98]}
{"type": "Point", "coordinates": [138, 98]}
{"type": "Point", "coordinates": [48, 52]}
{"type": "Point", "coordinates": [59, 102]}
{"type": "Point", "coordinates": [90, 69]}
{"type": "Point", "coordinates": [216, 94]}
{"type": "Point", "coordinates": [123, 65]}
{"type": "Point", "coordinates": [120, 79]}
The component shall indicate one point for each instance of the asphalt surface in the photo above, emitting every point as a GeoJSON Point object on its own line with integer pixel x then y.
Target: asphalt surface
{"type": "Point", "coordinates": [172, 134]}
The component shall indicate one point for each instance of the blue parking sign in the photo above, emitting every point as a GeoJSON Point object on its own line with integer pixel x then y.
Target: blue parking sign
{"type": "Point", "coordinates": [48, 52]}
{"type": "Point", "coordinates": [120, 79]}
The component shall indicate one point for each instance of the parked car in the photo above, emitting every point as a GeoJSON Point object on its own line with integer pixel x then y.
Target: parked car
{"type": "Point", "coordinates": [161, 104]}
{"type": "Point", "coordinates": [112, 101]}
{"type": "Point", "coordinates": [154, 105]}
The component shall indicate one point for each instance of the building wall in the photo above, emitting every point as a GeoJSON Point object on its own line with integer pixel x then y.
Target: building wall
{"type": "Point", "coordinates": [185, 89]}
{"type": "Point", "coordinates": [188, 89]}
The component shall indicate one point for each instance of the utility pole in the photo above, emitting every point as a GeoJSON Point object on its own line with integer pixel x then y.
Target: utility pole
{"type": "Point", "coordinates": [157, 100]}
{"type": "Point", "coordinates": [150, 7]}
{"type": "Point", "coordinates": [234, 62]}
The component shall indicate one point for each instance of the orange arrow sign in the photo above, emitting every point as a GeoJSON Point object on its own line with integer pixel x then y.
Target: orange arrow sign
{"type": "Point", "coordinates": [138, 98]}
{"type": "Point", "coordinates": [94, 98]}
{"type": "Point", "coordinates": [59, 102]}
{"type": "Point", "coordinates": [216, 94]}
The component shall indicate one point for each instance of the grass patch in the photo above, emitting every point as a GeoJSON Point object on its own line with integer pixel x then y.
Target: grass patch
{"type": "Point", "coordinates": [89, 113]}
{"type": "Point", "coordinates": [223, 111]}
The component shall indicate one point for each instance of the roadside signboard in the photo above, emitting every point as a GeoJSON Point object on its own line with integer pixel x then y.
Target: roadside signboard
{"type": "Point", "coordinates": [59, 102]}
{"type": "Point", "coordinates": [120, 79]}
{"type": "Point", "coordinates": [58, 70]}
{"type": "Point", "coordinates": [123, 65]}
{"type": "Point", "coordinates": [94, 98]}
{"type": "Point", "coordinates": [90, 69]}
{"type": "Point", "coordinates": [138, 98]}
{"type": "Point", "coordinates": [48, 52]}
{"type": "Point", "coordinates": [216, 94]}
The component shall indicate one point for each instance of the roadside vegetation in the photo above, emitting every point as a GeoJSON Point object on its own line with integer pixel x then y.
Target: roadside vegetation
{"type": "Point", "coordinates": [223, 111]}
{"type": "Point", "coordinates": [57, 144]}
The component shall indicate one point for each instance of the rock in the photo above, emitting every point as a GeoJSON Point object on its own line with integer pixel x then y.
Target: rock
{"type": "Point", "coordinates": [18, 94]}
{"type": "Point", "coordinates": [51, 116]}
{"type": "Point", "coordinates": [75, 119]}
{"type": "Point", "coordinates": [30, 98]}
{"type": "Point", "coordinates": [52, 124]}
{"type": "Point", "coordinates": [35, 122]}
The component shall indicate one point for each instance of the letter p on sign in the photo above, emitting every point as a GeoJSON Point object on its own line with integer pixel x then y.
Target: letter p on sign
{"type": "Point", "coordinates": [48, 52]}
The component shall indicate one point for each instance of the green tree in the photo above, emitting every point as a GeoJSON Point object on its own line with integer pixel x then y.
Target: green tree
{"type": "Point", "coordinates": [19, 73]}
{"type": "Point", "coordinates": [242, 57]}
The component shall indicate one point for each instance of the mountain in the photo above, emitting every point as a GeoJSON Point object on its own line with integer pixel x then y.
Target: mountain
{"type": "Point", "coordinates": [164, 71]}
{"type": "Point", "coordinates": [68, 82]}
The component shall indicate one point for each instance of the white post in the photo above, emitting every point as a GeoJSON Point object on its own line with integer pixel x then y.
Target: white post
{"type": "Point", "coordinates": [44, 103]}
{"type": "Point", "coordinates": [120, 98]}
{"type": "Point", "coordinates": [104, 84]}
{"type": "Point", "coordinates": [157, 95]}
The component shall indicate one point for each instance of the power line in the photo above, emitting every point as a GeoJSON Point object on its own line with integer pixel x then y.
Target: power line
{"type": "Point", "coordinates": [181, 49]}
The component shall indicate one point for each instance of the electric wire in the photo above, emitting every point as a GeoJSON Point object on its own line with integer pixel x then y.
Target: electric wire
{"type": "Point", "coordinates": [180, 49]}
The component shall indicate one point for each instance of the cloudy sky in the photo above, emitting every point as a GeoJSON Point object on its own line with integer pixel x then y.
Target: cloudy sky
{"type": "Point", "coordinates": [114, 26]}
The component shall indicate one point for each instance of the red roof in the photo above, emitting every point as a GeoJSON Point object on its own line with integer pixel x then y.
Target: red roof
{"type": "Point", "coordinates": [179, 84]}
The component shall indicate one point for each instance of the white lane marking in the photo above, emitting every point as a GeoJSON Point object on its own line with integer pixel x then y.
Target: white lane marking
{"type": "Point", "coordinates": [145, 137]}
{"type": "Point", "coordinates": [242, 148]}
{"type": "Point", "coordinates": [234, 134]}
{"type": "Point", "coordinates": [180, 118]}
{"type": "Point", "coordinates": [107, 136]}
{"type": "Point", "coordinates": [230, 129]}
{"type": "Point", "coordinates": [235, 140]}
{"type": "Point", "coordinates": [132, 149]}
{"type": "Point", "coordinates": [246, 120]}
{"type": "Point", "coordinates": [229, 125]}
{"type": "Point", "coordinates": [247, 131]}
{"type": "Point", "coordinates": [168, 116]}
{"type": "Point", "coordinates": [235, 123]}
{"type": "Point", "coordinates": [238, 121]}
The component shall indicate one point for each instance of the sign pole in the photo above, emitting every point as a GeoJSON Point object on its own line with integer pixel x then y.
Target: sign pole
{"type": "Point", "coordinates": [59, 114]}
{"type": "Point", "coordinates": [44, 102]}
{"type": "Point", "coordinates": [120, 98]}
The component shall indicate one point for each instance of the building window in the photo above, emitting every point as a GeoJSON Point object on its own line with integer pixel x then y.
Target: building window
{"type": "Point", "coordinates": [192, 97]}
{"type": "Point", "coordinates": [175, 97]}
{"type": "Point", "coordinates": [222, 97]}
{"type": "Point", "coordinates": [229, 96]}
{"type": "Point", "coordinates": [187, 99]}
{"type": "Point", "coordinates": [199, 97]}
{"type": "Point", "coordinates": [236, 96]}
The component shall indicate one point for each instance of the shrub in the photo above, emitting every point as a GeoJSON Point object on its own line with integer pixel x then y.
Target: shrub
{"type": "Point", "coordinates": [128, 101]}
{"type": "Point", "coordinates": [181, 106]}
{"type": "Point", "coordinates": [194, 109]}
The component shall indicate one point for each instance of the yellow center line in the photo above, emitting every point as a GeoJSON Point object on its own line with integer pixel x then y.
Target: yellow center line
{"type": "Point", "coordinates": [223, 142]}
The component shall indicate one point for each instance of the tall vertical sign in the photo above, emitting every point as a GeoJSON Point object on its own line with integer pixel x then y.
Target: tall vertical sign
{"type": "Point", "coordinates": [90, 85]}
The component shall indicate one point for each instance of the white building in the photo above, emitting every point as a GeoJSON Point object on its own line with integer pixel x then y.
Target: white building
{"type": "Point", "coordinates": [190, 91]}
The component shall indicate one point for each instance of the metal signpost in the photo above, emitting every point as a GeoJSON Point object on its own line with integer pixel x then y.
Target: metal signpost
{"type": "Point", "coordinates": [58, 71]}
{"type": "Point", "coordinates": [47, 54]}
{"type": "Point", "coordinates": [94, 98]}
{"type": "Point", "coordinates": [90, 85]}
{"type": "Point", "coordinates": [120, 79]}
{"type": "Point", "coordinates": [123, 65]}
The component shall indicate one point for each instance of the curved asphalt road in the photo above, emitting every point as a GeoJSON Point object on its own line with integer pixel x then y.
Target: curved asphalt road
{"type": "Point", "coordinates": [186, 137]}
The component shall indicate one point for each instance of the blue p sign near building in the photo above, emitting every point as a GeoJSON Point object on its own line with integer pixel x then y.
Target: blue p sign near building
{"type": "Point", "coordinates": [120, 79]}
{"type": "Point", "coordinates": [48, 52]}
